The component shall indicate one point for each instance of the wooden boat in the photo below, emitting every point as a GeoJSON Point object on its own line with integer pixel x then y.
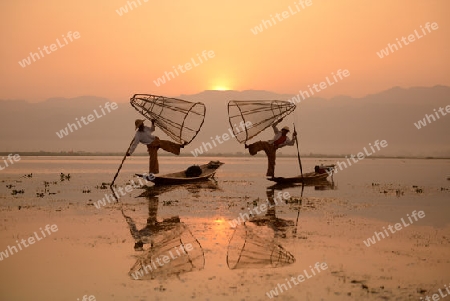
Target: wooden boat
{"type": "Point", "coordinates": [176, 178]}
{"type": "Point", "coordinates": [310, 177]}
{"type": "Point", "coordinates": [322, 184]}
{"type": "Point", "coordinates": [319, 174]}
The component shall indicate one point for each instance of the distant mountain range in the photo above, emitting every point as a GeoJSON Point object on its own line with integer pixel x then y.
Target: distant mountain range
{"type": "Point", "coordinates": [338, 126]}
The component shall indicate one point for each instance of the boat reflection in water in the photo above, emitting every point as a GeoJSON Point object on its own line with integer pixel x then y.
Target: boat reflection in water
{"type": "Point", "coordinates": [326, 185]}
{"type": "Point", "coordinates": [322, 184]}
{"type": "Point", "coordinates": [172, 249]}
{"type": "Point", "coordinates": [255, 243]}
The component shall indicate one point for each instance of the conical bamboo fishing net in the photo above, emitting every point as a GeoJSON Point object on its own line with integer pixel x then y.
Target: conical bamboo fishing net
{"type": "Point", "coordinates": [179, 119]}
{"type": "Point", "coordinates": [261, 114]}
{"type": "Point", "coordinates": [248, 250]}
{"type": "Point", "coordinates": [178, 252]}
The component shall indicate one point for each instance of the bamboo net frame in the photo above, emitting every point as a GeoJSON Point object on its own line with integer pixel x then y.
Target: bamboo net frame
{"type": "Point", "coordinates": [179, 119]}
{"type": "Point", "coordinates": [261, 114]}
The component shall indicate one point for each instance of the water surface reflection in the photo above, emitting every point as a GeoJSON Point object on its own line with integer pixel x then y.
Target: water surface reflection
{"type": "Point", "coordinates": [172, 248]}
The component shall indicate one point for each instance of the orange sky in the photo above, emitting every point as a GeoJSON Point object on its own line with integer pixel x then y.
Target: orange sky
{"type": "Point", "coordinates": [117, 56]}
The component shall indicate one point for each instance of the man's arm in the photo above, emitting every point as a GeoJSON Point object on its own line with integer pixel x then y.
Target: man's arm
{"type": "Point", "coordinates": [275, 129]}
{"type": "Point", "coordinates": [133, 145]}
{"type": "Point", "coordinates": [152, 128]}
{"type": "Point", "coordinates": [292, 141]}
{"type": "Point", "coordinates": [288, 141]}
{"type": "Point", "coordinates": [274, 126]}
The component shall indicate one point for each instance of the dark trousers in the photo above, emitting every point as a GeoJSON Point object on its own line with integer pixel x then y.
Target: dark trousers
{"type": "Point", "coordinates": [270, 151]}
{"type": "Point", "coordinates": [153, 147]}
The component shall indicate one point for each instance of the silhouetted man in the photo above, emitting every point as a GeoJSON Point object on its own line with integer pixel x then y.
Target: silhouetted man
{"type": "Point", "coordinates": [144, 136]}
{"type": "Point", "coordinates": [270, 147]}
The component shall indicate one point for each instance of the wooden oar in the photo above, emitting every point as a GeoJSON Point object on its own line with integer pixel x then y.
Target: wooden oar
{"type": "Point", "coordinates": [120, 167]}
{"type": "Point", "coordinates": [303, 181]}
{"type": "Point", "coordinates": [298, 153]}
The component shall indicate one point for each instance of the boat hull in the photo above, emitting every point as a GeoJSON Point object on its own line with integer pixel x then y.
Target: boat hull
{"type": "Point", "coordinates": [177, 178]}
{"type": "Point", "coordinates": [310, 177]}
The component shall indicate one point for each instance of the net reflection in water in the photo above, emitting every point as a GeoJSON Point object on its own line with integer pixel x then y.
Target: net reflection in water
{"type": "Point", "coordinates": [248, 250]}
{"type": "Point", "coordinates": [175, 252]}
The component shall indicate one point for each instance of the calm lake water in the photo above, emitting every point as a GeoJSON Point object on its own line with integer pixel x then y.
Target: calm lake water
{"type": "Point", "coordinates": [391, 185]}
{"type": "Point", "coordinates": [93, 251]}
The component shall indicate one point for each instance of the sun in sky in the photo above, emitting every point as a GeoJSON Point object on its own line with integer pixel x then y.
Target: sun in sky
{"type": "Point", "coordinates": [220, 84]}
{"type": "Point", "coordinates": [220, 55]}
{"type": "Point", "coordinates": [221, 88]}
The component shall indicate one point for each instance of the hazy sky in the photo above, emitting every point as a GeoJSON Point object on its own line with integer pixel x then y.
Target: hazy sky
{"type": "Point", "coordinates": [116, 56]}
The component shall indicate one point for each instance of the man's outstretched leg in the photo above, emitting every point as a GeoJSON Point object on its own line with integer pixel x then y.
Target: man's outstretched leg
{"type": "Point", "coordinates": [270, 151]}
{"type": "Point", "coordinates": [170, 146]}
{"type": "Point", "coordinates": [254, 148]}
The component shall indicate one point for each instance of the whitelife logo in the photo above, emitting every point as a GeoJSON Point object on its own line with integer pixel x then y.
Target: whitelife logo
{"type": "Point", "coordinates": [262, 208]}
{"type": "Point", "coordinates": [129, 188]}
{"type": "Point", "coordinates": [437, 297]}
{"type": "Point", "coordinates": [423, 122]}
{"type": "Point", "coordinates": [265, 24]}
{"type": "Point", "coordinates": [161, 260]}
{"type": "Point", "coordinates": [360, 155]}
{"type": "Point", "coordinates": [124, 9]}
{"type": "Point", "coordinates": [31, 240]}
{"type": "Point", "coordinates": [49, 49]}
{"type": "Point", "coordinates": [88, 298]}
{"type": "Point", "coordinates": [301, 277]}
{"type": "Point", "coordinates": [341, 74]}
{"type": "Point", "coordinates": [188, 66]}
{"type": "Point", "coordinates": [90, 118]}
{"type": "Point", "coordinates": [204, 147]}
{"type": "Point", "coordinates": [411, 38]}
{"type": "Point", "coordinates": [10, 158]}
{"type": "Point", "coordinates": [371, 240]}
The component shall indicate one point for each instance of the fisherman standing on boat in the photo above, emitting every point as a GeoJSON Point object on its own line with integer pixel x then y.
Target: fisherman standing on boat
{"type": "Point", "coordinates": [270, 147]}
{"type": "Point", "coordinates": [144, 136]}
